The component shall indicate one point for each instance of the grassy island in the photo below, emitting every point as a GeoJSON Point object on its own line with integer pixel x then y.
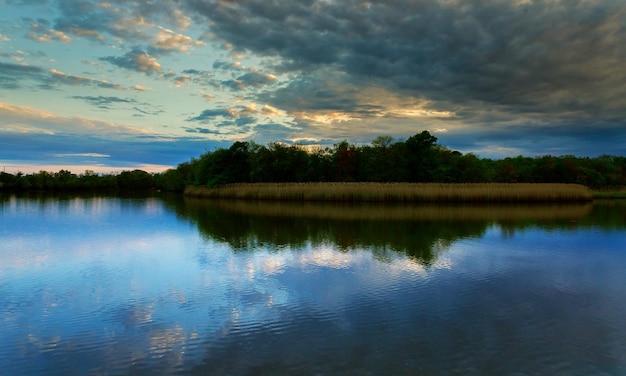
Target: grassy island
{"type": "Point", "coordinates": [397, 192]}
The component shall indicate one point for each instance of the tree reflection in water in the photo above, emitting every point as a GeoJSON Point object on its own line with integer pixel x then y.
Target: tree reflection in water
{"type": "Point", "coordinates": [419, 231]}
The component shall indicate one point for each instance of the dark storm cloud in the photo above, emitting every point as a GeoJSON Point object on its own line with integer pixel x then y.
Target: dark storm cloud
{"type": "Point", "coordinates": [320, 93]}
{"type": "Point", "coordinates": [542, 56]}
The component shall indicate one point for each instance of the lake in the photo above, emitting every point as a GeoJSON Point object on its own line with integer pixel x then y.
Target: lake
{"type": "Point", "coordinates": [174, 286]}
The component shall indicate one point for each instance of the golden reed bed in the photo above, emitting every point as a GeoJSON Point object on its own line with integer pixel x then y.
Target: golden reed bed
{"type": "Point", "coordinates": [397, 192]}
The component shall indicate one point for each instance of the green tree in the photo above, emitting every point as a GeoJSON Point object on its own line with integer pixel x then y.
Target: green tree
{"type": "Point", "coordinates": [320, 165]}
{"type": "Point", "coordinates": [376, 163]}
{"type": "Point", "coordinates": [421, 158]}
{"type": "Point", "coordinates": [66, 180]}
{"type": "Point", "coordinates": [135, 180]}
{"type": "Point", "coordinates": [346, 162]}
{"type": "Point", "coordinates": [172, 180]}
{"type": "Point", "coordinates": [286, 163]}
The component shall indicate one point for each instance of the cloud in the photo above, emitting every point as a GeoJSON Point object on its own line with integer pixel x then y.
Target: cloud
{"type": "Point", "coordinates": [126, 21]}
{"type": "Point", "coordinates": [250, 79]}
{"type": "Point", "coordinates": [242, 114]}
{"type": "Point", "coordinates": [245, 120]}
{"type": "Point", "coordinates": [12, 74]}
{"type": "Point", "coordinates": [196, 72]}
{"type": "Point", "coordinates": [29, 136]}
{"type": "Point", "coordinates": [212, 114]}
{"type": "Point", "coordinates": [227, 65]}
{"type": "Point", "coordinates": [271, 111]}
{"type": "Point", "coordinates": [167, 40]}
{"type": "Point", "coordinates": [273, 132]}
{"type": "Point", "coordinates": [329, 70]}
{"type": "Point", "coordinates": [491, 73]}
{"type": "Point", "coordinates": [136, 60]}
{"type": "Point", "coordinates": [86, 33]}
{"type": "Point", "coordinates": [26, 119]}
{"type": "Point", "coordinates": [102, 101]}
{"type": "Point", "coordinates": [90, 155]}
{"type": "Point", "coordinates": [257, 79]}
{"type": "Point", "coordinates": [335, 99]}
{"type": "Point", "coordinates": [535, 57]}
{"type": "Point", "coordinates": [202, 130]}
{"type": "Point", "coordinates": [95, 20]}
{"type": "Point", "coordinates": [143, 112]}
{"type": "Point", "coordinates": [181, 80]}
{"type": "Point", "coordinates": [57, 76]}
{"type": "Point", "coordinates": [179, 19]}
{"type": "Point", "coordinates": [39, 32]}
{"type": "Point", "coordinates": [208, 97]}
{"type": "Point", "coordinates": [580, 139]}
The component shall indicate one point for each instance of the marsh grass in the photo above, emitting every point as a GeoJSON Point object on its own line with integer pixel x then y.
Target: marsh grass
{"type": "Point", "coordinates": [397, 192]}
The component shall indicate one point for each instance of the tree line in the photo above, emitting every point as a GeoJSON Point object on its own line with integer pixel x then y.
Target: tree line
{"type": "Point", "coordinates": [417, 159]}
{"type": "Point", "coordinates": [90, 181]}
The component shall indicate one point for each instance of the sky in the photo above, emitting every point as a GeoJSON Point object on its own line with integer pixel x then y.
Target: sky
{"type": "Point", "coordinates": [118, 85]}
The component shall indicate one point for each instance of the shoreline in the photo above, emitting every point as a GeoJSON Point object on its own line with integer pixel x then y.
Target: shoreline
{"type": "Point", "coordinates": [397, 192]}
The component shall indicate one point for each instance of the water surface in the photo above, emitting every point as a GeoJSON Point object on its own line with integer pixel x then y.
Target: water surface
{"type": "Point", "coordinates": [100, 285]}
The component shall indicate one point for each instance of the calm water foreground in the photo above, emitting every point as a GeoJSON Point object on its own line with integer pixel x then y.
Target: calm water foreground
{"type": "Point", "coordinates": [156, 286]}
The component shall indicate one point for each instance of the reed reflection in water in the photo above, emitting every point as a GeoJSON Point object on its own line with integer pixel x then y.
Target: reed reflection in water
{"type": "Point", "coordinates": [174, 286]}
{"type": "Point", "coordinates": [414, 230]}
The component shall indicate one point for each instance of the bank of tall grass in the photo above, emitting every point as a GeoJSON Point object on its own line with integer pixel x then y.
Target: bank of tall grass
{"type": "Point", "coordinates": [397, 192]}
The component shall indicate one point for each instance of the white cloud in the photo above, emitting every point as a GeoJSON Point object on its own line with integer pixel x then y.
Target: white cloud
{"type": "Point", "coordinates": [26, 119]}
{"type": "Point", "coordinates": [90, 155]}
{"type": "Point", "coordinates": [181, 81]}
{"type": "Point", "coordinates": [168, 40]}
{"type": "Point", "coordinates": [179, 19]}
{"type": "Point", "coordinates": [147, 63]}
{"type": "Point", "coordinates": [50, 36]}
{"type": "Point", "coordinates": [73, 80]}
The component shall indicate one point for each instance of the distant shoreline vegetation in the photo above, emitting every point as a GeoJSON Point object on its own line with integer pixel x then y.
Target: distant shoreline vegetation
{"type": "Point", "coordinates": [418, 159]}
